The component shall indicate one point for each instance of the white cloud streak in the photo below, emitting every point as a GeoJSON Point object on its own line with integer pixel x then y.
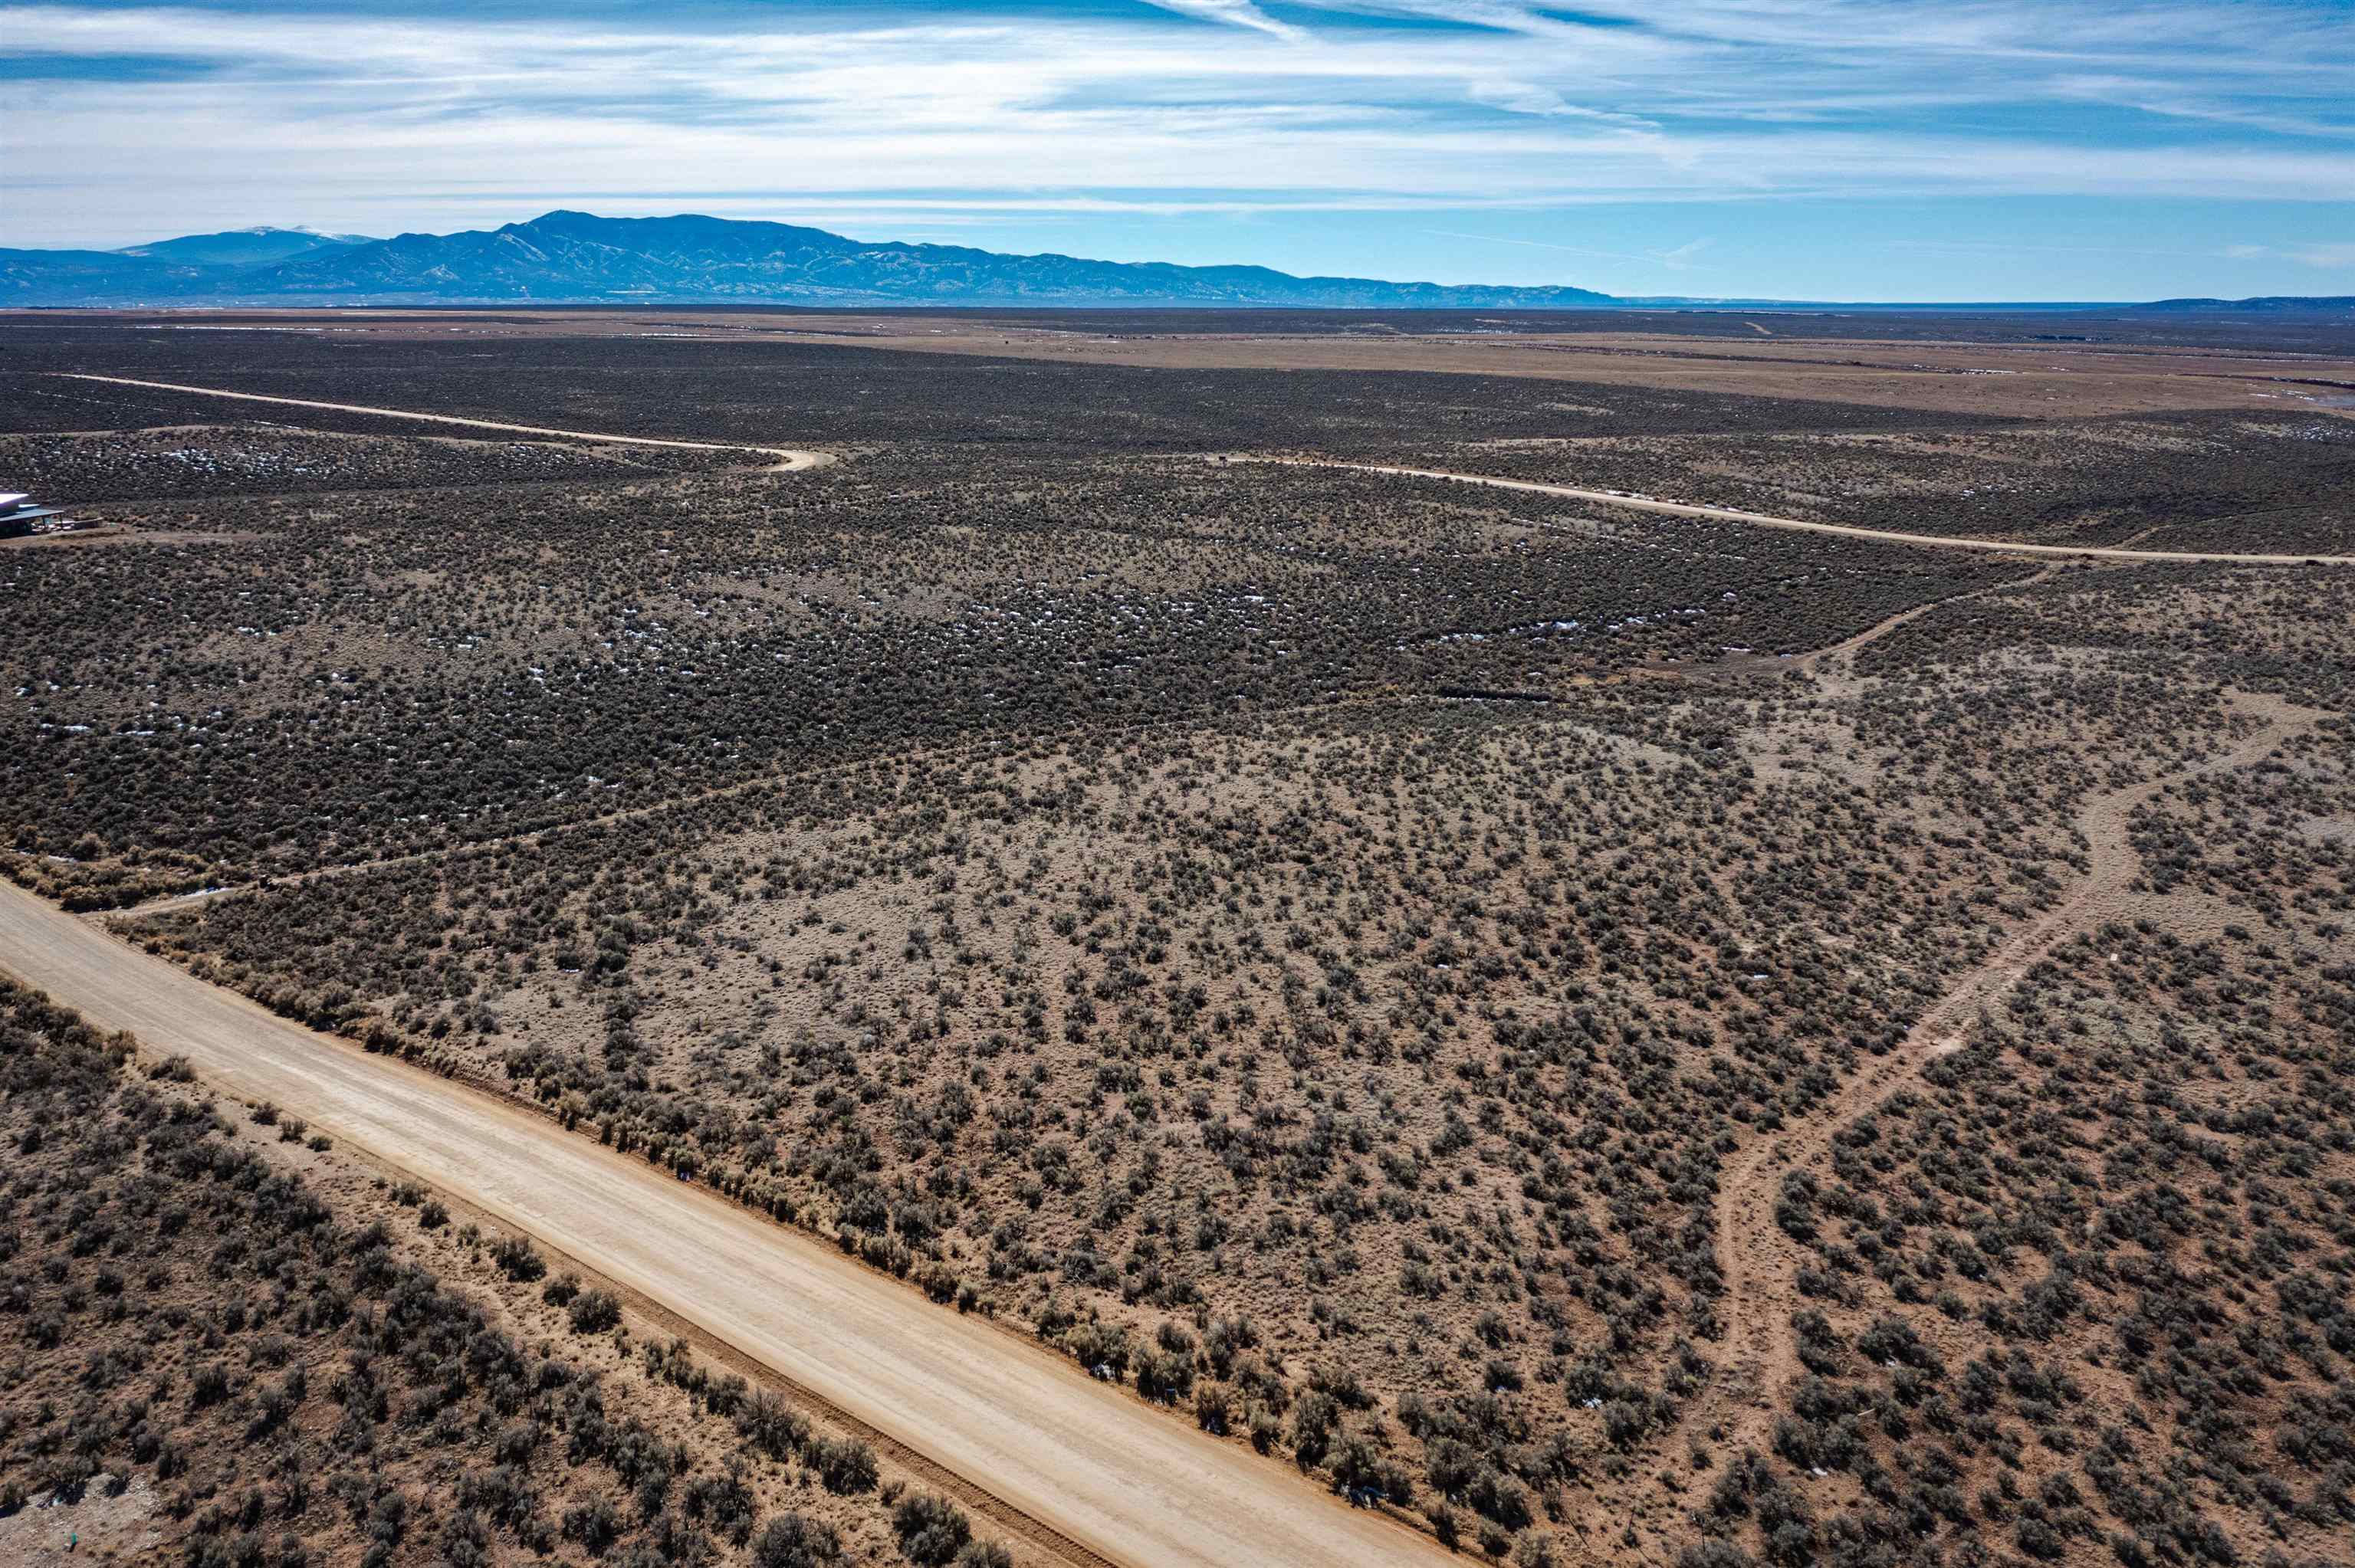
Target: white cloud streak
{"type": "Point", "coordinates": [1232, 14]}
{"type": "Point", "coordinates": [361, 122]}
{"type": "Point", "coordinates": [2337, 255]}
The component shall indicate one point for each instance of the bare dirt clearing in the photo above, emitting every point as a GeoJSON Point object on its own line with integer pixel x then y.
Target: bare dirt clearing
{"type": "Point", "coordinates": [103, 1524]}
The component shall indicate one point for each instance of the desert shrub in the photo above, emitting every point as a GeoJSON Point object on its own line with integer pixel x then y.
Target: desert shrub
{"type": "Point", "coordinates": [771, 1426]}
{"type": "Point", "coordinates": [932, 1530]}
{"type": "Point", "coordinates": [843, 1464]}
{"type": "Point", "coordinates": [593, 1312]}
{"type": "Point", "coordinates": [793, 1541]}
{"type": "Point", "coordinates": [594, 1524]}
{"type": "Point", "coordinates": [517, 1259]}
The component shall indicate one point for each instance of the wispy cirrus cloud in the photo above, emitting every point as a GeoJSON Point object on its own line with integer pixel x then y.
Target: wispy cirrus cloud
{"type": "Point", "coordinates": [176, 116]}
{"type": "Point", "coordinates": [2332, 255]}
{"type": "Point", "coordinates": [1232, 14]}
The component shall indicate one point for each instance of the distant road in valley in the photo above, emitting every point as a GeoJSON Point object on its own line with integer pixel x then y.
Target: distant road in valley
{"type": "Point", "coordinates": [789, 458]}
{"type": "Point", "coordinates": [1763, 520]}
{"type": "Point", "coordinates": [1084, 1470]}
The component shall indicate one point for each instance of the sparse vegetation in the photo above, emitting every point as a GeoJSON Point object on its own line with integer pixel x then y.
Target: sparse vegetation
{"type": "Point", "coordinates": [307, 1387]}
{"type": "Point", "coordinates": [1313, 948]}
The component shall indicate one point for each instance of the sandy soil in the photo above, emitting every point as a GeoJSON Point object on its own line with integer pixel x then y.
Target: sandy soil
{"type": "Point", "coordinates": [103, 1525]}
{"type": "Point", "coordinates": [1084, 1459]}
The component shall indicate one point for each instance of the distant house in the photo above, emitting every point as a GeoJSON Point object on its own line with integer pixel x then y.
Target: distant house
{"type": "Point", "coordinates": [18, 514]}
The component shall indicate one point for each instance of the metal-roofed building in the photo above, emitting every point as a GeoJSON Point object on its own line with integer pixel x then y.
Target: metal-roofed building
{"type": "Point", "coordinates": [18, 514]}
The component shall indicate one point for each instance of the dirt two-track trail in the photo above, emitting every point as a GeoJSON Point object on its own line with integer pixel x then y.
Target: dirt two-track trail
{"type": "Point", "coordinates": [1803, 525]}
{"type": "Point", "coordinates": [1759, 1263]}
{"type": "Point", "coordinates": [1120, 1482]}
{"type": "Point", "coordinates": [789, 459]}
{"type": "Point", "coordinates": [1081, 1470]}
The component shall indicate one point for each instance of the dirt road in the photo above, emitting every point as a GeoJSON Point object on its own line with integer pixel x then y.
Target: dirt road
{"type": "Point", "coordinates": [789, 459]}
{"type": "Point", "coordinates": [1137, 1487]}
{"type": "Point", "coordinates": [1760, 1263]}
{"type": "Point", "coordinates": [1761, 520]}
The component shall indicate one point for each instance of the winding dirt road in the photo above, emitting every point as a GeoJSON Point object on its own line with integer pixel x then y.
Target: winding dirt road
{"type": "Point", "coordinates": [1761, 1264]}
{"type": "Point", "coordinates": [789, 459]}
{"type": "Point", "coordinates": [1085, 1460]}
{"type": "Point", "coordinates": [1087, 1465]}
{"type": "Point", "coordinates": [1845, 530]}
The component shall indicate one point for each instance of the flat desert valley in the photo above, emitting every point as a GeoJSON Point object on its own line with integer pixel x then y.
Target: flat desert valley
{"type": "Point", "coordinates": [706, 936]}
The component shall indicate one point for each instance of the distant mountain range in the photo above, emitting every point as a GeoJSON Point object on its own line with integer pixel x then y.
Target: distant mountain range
{"type": "Point", "coordinates": [238, 247]}
{"type": "Point", "coordinates": [2267, 303]}
{"type": "Point", "coordinates": [577, 258]}
{"type": "Point", "coordinates": [571, 258]}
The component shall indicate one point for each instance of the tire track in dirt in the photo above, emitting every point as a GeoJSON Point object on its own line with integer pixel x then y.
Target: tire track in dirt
{"type": "Point", "coordinates": [1758, 663]}
{"type": "Point", "coordinates": [1798, 525]}
{"type": "Point", "coordinates": [533, 838]}
{"type": "Point", "coordinates": [1759, 1261]}
{"type": "Point", "coordinates": [790, 460]}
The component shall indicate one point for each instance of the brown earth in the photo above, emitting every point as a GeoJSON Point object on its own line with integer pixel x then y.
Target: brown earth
{"type": "Point", "coordinates": [1951, 378]}
{"type": "Point", "coordinates": [2041, 380]}
{"type": "Point", "coordinates": [789, 460]}
{"type": "Point", "coordinates": [1086, 1460]}
{"type": "Point", "coordinates": [977, 1423]}
{"type": "Point", "coordinates": [1762, 520]}
{"type": "Point", "coordinates": [1760, 1262]}
{"type": "Point", "coordinates": [1966, 379]}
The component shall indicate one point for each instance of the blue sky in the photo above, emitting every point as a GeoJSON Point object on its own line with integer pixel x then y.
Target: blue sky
{"type": "Point", "coordinates": [1823, 149]}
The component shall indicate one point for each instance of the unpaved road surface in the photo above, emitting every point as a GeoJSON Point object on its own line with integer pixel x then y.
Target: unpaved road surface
{"type": "Point", "coordinates": [1760, 1263]}
{"type": "Point", "coordinates": [1762, 520]}
{"type": "Point", "coordinates": [789, 459]}
{"type": "Point", "coordinates": [1135, 1486]}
